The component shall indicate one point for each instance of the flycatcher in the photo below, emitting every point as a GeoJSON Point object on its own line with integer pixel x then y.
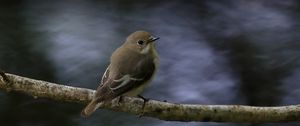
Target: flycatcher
{"type": "Point", "coordinates": [131, 68]}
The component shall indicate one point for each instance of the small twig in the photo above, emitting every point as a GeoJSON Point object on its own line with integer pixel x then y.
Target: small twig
{"type": "Point", "coordinates": [144, 103]}
{"type": "Point", "coordinates": [5, 78]}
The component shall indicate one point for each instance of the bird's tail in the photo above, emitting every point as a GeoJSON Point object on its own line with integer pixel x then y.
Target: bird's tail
{"type": "Point", "coordinates": [90, 108]}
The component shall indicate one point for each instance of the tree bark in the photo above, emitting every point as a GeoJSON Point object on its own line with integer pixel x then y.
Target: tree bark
{"type": "Point", "coordinates": [156, 109]}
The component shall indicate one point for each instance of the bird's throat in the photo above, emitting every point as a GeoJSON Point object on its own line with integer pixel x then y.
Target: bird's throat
{"type": "Point", "coordinates": [147, 48]}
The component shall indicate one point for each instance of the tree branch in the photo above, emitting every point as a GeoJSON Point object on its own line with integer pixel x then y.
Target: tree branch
{"type": "Point", "coordinates": [155, 109]}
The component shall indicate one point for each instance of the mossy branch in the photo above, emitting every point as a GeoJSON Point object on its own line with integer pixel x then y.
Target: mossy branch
{"type": "Point", "coordinates": [156, 109]}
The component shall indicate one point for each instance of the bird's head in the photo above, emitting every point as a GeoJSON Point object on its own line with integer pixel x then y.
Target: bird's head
{"type": "Point", "coordinates": [140, 41]}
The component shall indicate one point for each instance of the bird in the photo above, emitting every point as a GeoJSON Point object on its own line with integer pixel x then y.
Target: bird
{"type": "Point", "coordinates": [132, 67]}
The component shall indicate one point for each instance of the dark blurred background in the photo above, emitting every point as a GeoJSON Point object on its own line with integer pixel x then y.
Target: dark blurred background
{"type": "Point", "coordinates": [211, 52]}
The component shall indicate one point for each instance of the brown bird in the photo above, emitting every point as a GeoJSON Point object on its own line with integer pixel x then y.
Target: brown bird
{"type": "Point", "coordinates": [131, 68]}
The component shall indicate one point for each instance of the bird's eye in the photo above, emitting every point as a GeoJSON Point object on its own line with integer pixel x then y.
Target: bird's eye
{"type": "Point", "coordinates": [140, 42]}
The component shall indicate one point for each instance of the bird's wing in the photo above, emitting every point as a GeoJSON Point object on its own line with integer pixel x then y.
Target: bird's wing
{"type": "Point", "coordinates": [105, 76]}
{"type": "Point", "coordinates": [127, 82]}
{"type": "Point", "coordinates": [113, 87]}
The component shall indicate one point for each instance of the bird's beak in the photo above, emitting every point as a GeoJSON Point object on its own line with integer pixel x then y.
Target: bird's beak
{"type": "Point", "coordinates": [152, 39]}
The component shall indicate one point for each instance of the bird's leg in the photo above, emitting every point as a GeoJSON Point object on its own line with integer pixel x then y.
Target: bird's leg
{"type": "Point", "coordinates": [145, 100]}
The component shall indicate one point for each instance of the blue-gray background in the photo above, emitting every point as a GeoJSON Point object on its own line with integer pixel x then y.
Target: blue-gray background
{"type": "Point", "coordinates": [211, 52]}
